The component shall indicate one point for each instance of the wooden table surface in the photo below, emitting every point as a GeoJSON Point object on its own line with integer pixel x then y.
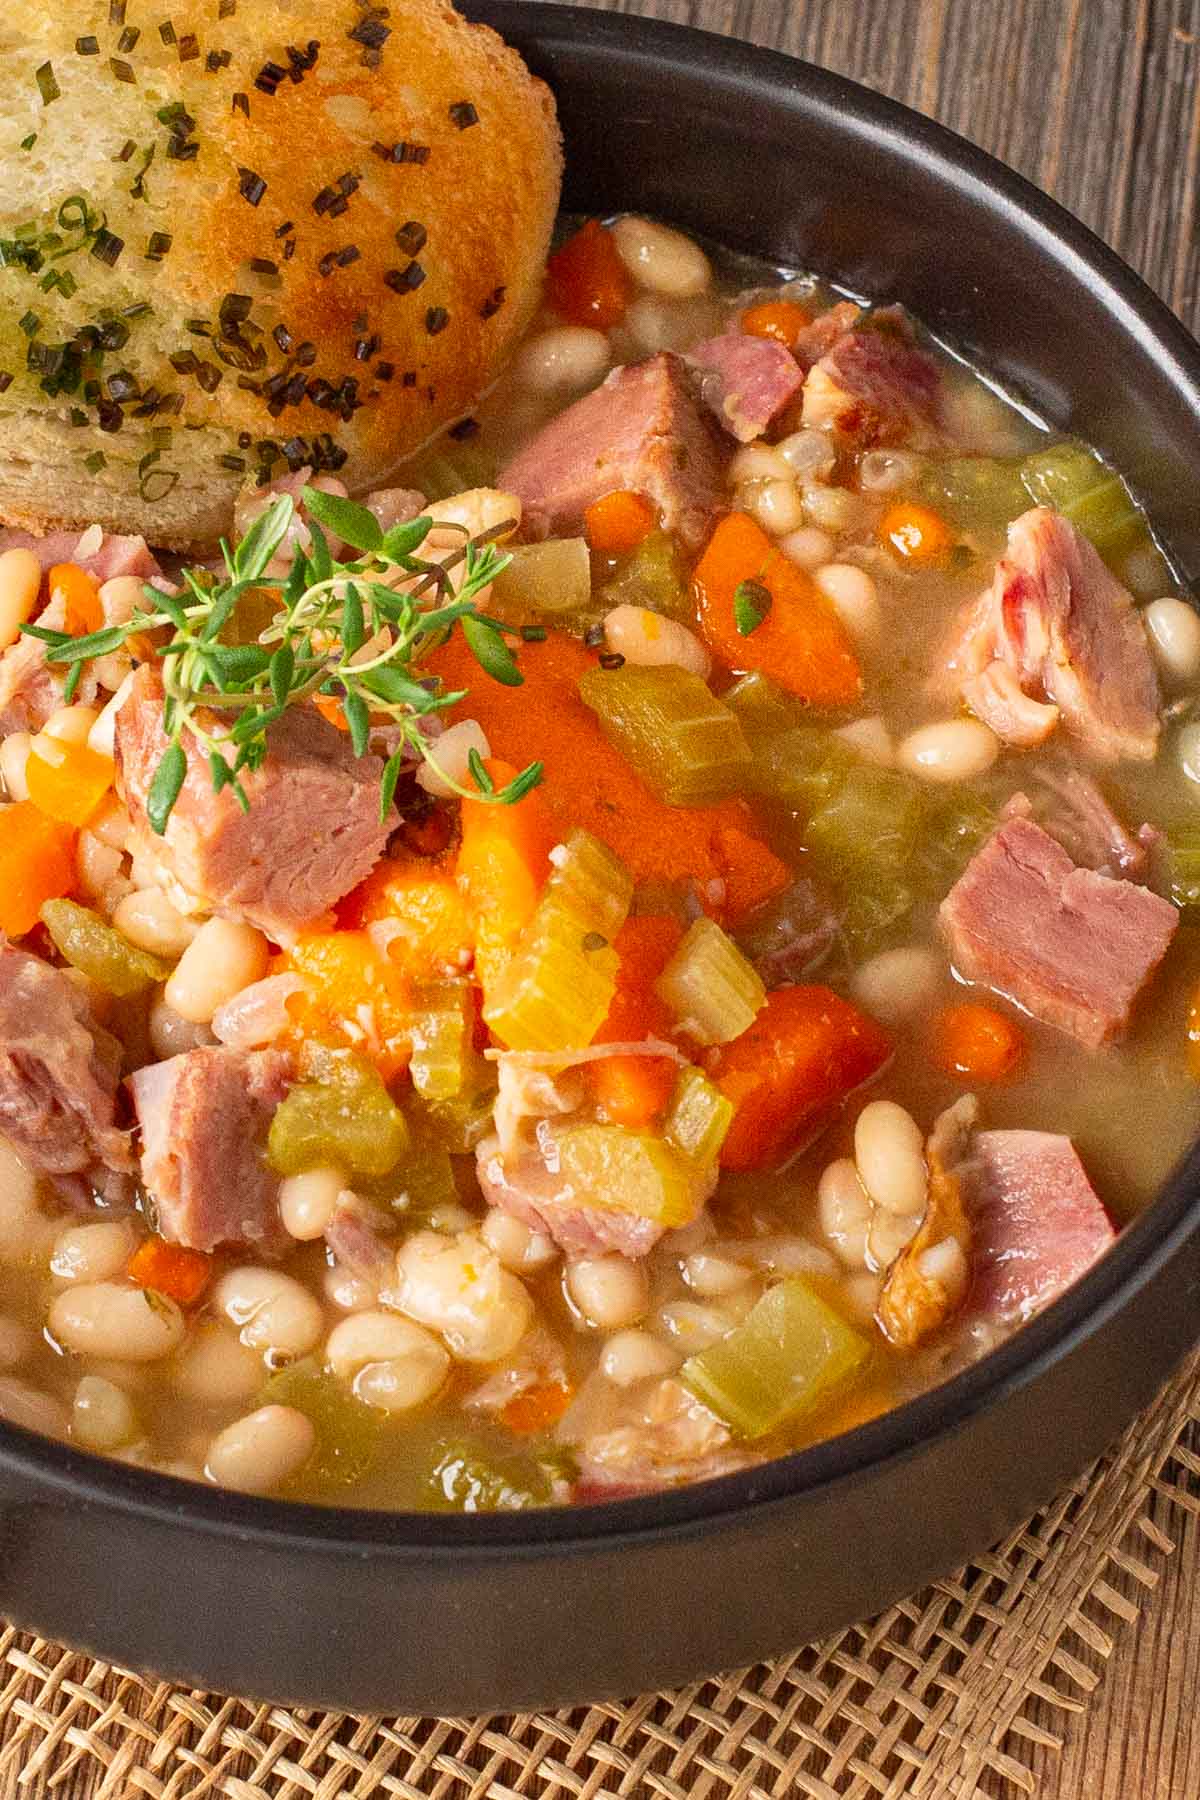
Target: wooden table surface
{"type": "Point", "coordinates": [1098, 102]}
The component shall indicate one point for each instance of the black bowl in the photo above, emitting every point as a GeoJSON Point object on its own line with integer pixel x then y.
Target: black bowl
{"type": "Point", "coordinates": [380, 1612]}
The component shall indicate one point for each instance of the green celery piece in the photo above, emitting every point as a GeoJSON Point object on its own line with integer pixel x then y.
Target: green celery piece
{"type": "Point", "coordinates": [350, 1436]}
{"type": "Point", "coordinates": [790, 1355]}
{"type": "Point", "coordinates": [346, 1118]}
{"type": "Point", "coordinates": [866, 838]}
{"type": "Point", "coordinates": [552, 580]}
{"type": "Point", "coordinates": [588, 886]}
{"type": "Point", "coordinates": [762, 709]}
{"type": "Point", "coordinates": [457, 1124]}
{"type": "Point", "coordinates": [803, 767]}
{"type": "Point", "coordinates": [630, 1172]}
{"type": "Point", "coordinates": [698, 1118]}
{"type": "Point", "coordinates": [957, 823]}
{"type": "Point", "coordinates": [469, 1476]}
{"type": "Point", "coordinates": [976, 492]}
{"type": "Point", "coordinates": [1073, 480]}
{"type": "Point", "coordinates": [714, 992]}
{"type": "Point", "coordinates": [686, 745]}
{"type": "Point", "coordinates": [652, 575]}
{"type": "Point", "coordinates": [100, 952]}
{"type": "Point", "coordinates": [443, 1023]}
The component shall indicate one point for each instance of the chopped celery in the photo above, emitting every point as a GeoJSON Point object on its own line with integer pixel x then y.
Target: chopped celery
{"type": "Point", "coordinates": [469, 1476]}
{"type": "Point", "coordinates": [865, 838]}
{"type": "Point", "coordinates": [630, 1172]}
{"type": "Point", "coordinates": [350, 1436]}
{"type": "Point", "coordinates": [713, 991]}
{"type": "Point", "coordinates": [958, 820]}
{"type": "Point", "coordinates": [1075, 482]}
{"type": "Point", "coordinates": [459, 1123]}
{"type": "Point", "coordinates": [588, 886]}
{"type": "Point", "coordinates": [790, 1355]}
{"type": "Point", "coordinates": [422, 1181]}
{"type": "Point", "coordinates": [347, 1118]}
{"type": "Point", "coordinates": [99, 952]}
{"type": "Point", "coordinates": [802, 767]}
{"type": "Point", "coordinates": [698, 1118]}
{"type": "Point", "coordinates": [684, 743]}
{"type": "Point", "coordinates": [446, 468]}
{"type": "Point", "coordinates": [553, 580]}
{"type": "Point", "coordinates": [976, 492]}
{"type": "Point", "coordinates": [443, 1022]}
{"type": "Point", "coordinates": [653, 575]}
{"type": "Point", "coordinates": [761, 708]}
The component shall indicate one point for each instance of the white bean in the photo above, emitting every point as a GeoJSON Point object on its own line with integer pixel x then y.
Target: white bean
{"type": "Point", "coordinates": [898, 985]}
{"type": "Point", "coordinates": [149, 920]}
{"type": "Point", "coordinates": [20, 583]}
{"type": "Point", "coordinates": [28, 1407]}
{"type": "Point", "coordinates": [389, 1362]}
{"type": "Point", "coordinates": [98, 867]}
{"type": "Point", "coordinates": [809, 454]}
{"type": "Point", "coordinates": [951, 750]}
{"type": "Point", "coordinates": [71, 724]}
{"type": "Point", "coordinates": [1187, 751]}
{"type": "Point", "coordinates": [712, 1276]}
{"type": "Point", "coordinates": [564, 359]}
{"type": "Point", "coordinates": [633, 1356]}
{"type": "Point", "coordinates": [102, 1415]}
{"type": "Point", "coordinates": [448, 758]}
{"type": "Point", "coordinates": [93, 1252]}
{"type": "Point", "coordinates": [518, 1247]}
{"type": "Point", "coordinates": [655, 324]}
{"type": "Point", "coordinates": [854, 595]}
{"type": "Point", "coordinates": [775, 504]}
{"type": "Point", "coordinates": [476, 510]}
{"type": "Point", "coordinates": [946, 1262]}
{"type": "Point", "coordinates": [102, 733]}
{"type": "Point", "coordinates": [889, 1150]}
{"type": "Point", "coordinates": [860, 1296]}
{"type": "Point", "coordinates": [256, 1454]}
{"type": "Point", "coordinates": [224, 957]}
{"type": "Point", "coordinates": [307, 1202]}
{"type": "Point", "coordinates": [651, 641]}
{"type": "Point", "coordinates": [271, 1310]}
{"type": "Point", "coordinates": [660, 259]}
{"type": "Point", "coordinates": [844, 1211]}
{"type": "Point", "coordinates": [607, 1291]}
{"type": "Point", "coordinates": [692, 1326]}
{"type": "Point", "coordinates": [172, 1035]}
{"type": "Point", "coordinates": [757, 462]}
{"type": "Point", "coordinates": [833, 508]}
{"type": "Point", "coordinates": [215, 1368]}
{"type": "Point", "coordinates": [460, 1288]}
{"type": "Point", "coordinates": [808, 548]}
{"type": "Point", "coordinates": [120, 598]}
{"type": "Point", "coordinates": [107, 1319]}
{"type": "Point", "coordinates": [14, 756]}
{"type": "Point", "coordinates": [111, 823]}
{"type": "Point", "coordinates": [887, 471]}
{"type": "Point", "coordinates": [1174, 629]}
{"type": "Point", "coordinates": [888, 1236]}
{"type": "Point", "coordinates": [347, 1291]}
{"type": "Point", "coordinates": [871, 738]}
{"type": "Point", "coordinates": [25, 1232]}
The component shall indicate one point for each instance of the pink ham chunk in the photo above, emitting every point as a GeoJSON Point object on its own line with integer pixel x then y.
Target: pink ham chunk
{"type": "Point", "coordinates": [527, 1189]}
{"type": "Point", "coordinates": [1037, 1224]}
{"type": "Point", "coordinates": [1057, 636]}
{"type": "Point", "coordinates": [204, 1118]}
{"type": "Point", "coordinates": [745, 381]}
{"type": "Point", "coordinates": [874, 384]}
{"type": "Point", "coordinates": [1070, 945]}
{"type": "Point", "coordinates": [643, 431]}
{"type": "Point", "coordinates": [312, 831]}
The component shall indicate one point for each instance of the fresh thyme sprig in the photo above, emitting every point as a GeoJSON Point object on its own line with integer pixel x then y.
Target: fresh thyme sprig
{"type": "Point", "coordinates": [340, 629]}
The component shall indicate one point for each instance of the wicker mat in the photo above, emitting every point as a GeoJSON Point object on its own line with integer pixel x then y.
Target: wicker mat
{"type": "Point", "coordinates": [930, 1699]}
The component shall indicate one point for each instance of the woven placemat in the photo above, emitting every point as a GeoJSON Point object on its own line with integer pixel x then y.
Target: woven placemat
{"type": "Point", "coordinates": [930, 1699]}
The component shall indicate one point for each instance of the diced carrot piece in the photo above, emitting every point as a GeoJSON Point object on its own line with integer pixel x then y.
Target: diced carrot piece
{"type": "Point", "coordinates": [503, 862]}
{"type": "Point", "coordinates": [67, 782]}
{"type": "Point", "coordinates": [357, 998]}
{"type": "Point", "coordinates": [916, 533]}
{"type": "Point", "coordinates": [634, 1090]}
{"type": "Point", "coordinates": [782, 320]}
{"type": "Point", "coordinates": [753, 873]}
{"type": "Point", "coordinates": [801, 643]}
{"type": "Point", "coordinates": [586, 281]}
{"type": "Point", "coordinates": [806, 1050]}
{"type": "Point", "coordinates": [37, 863]}
{"type": "Point", "coordinates": [618, 522]}
{"type": "Point", "coordinates": [434, 936]}
{"type": "Point", "coordinates": [330, 707]}
{"type": "Point", "coordinates": [81, 592]}
{"type": "Point", "coordinates": [537, 1409]}
{"type": "Point", "coordinates": [1193, 1037]}
{"type": "Point", "coordinates": [171, 1269]}
{"type": "Point", "coordinates": [978, 1043]}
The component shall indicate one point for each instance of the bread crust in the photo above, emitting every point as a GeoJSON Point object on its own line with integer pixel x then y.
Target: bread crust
{"type": "Point", "coordinates": [356, 203]}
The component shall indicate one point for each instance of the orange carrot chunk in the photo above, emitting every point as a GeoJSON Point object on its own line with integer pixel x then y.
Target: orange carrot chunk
{"type": "Point", "coordinates": [81, 593]}
{"type": "Point", "coordinates": [635, 1090]}
{"type": "Point", "coordinates": [67, 781]}
{"type": "Point", "coordinates": [586, 281]}
{"type": "Point", "coordinates": [753, 873]}
{"type": "Point", "coordinates": [806, 1050]}
{"type": "Point", "coordinates": [617, 523]}
{"type": "Point", "coordinates": [171, 1269]}
{"type": "Point", "coordinates": [503, 862]}
{"type": "Point", "coordinates": [37, 863]}
{"type": "Point", "coordinates": [537, 1409]}
{"type": "Point", "coordinates": [799, 641]}
{"type": "Point", "coordinates": [424, 903]}
{"type": "Point", "coordinates": [782, 320]}
{"type": "Point", "coordinates": [916, 533]}
{"type": "Point", "coordinates": [977, 1042]}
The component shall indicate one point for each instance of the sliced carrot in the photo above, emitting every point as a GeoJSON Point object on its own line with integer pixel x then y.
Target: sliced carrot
{"type": "Point", "coordinates": [357, 998]}
{"type": "Point", "coordinates": [618, 522]}
{"type": "Point", "coordinates": [753, 873]}
{"type": "Point", "coordinates": [81, 595]}
{"type": "Point", "coordinates": [503, 862]}
{"type": "Point", "coordinates": [634, 1090]}
{"type": "Point", "coordinates": [806, 1050]}
{"type": "Point", "coordinates": [586, 281]}
{"type": "Point", "coordinates": [37, 863]}
{"type": "Point", "coordinates": [1193, 1037]}
{"type": "Point", "coordinates": [782, 320]}
{"type": "Point", "coordinates": [916, 533]}
{"type": "Point", "coordinates": [433, 935]}
{"type": "Point", "coordinates": [171, 1269]}
{"type": "Point", "coordinates": [800, 643]}
{"type": "Point", "coordinates": [537, 1409]}
{"type": "Point", "coordinates": [67, 782]}
{"type": "Point", "coordinates": [330, 707]}
{"type": "Point", "coordinates": [977, 1042]}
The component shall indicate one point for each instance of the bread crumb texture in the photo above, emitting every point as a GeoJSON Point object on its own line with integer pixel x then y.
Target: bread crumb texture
{"type": "Point", "coordinates": [242, 236]}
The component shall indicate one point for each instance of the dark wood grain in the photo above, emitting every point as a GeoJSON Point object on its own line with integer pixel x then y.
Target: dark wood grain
{"type": "Point", "coordinates": [1098, 102]}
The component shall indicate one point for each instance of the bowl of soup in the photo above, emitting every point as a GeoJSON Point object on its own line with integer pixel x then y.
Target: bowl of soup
{"type": "Point", "coordinates": [726, 1154]}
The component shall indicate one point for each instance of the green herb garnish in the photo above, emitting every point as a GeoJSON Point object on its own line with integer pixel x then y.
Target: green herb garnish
{"type": "Point", "coordinates": [224, 695]}
{"type": "Point", "coordinates": [751, 604]}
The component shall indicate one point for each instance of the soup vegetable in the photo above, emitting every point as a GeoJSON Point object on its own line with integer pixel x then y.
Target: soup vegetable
{"type": "Point", "coordinates": [627, 954]}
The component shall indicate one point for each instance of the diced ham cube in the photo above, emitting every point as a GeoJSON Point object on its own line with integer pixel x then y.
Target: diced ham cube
{"type": "Point", "coordinates": [59, 1072]}
{"type": "Point", "coordinates": [816, 340]}
{"type": "Point", "coordinates": [1071, 946]}
{"type": "Point", "coordinates": [1037, 1224]}
{"type": "Point", "coordinates": [1056, 629]}
{"type": "Point", "coordinates": [31, 689]}
{"type": "Point", "coordinates": [641, 430]}
{"type": "Point", "coordinates": [311, 834]}
{"type": "Point", "coordinates": [204, 1118]}
{"type": "Point", "coordinates": [874, 384]}
{"type": "Point", "coordinates": [745, 381]}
